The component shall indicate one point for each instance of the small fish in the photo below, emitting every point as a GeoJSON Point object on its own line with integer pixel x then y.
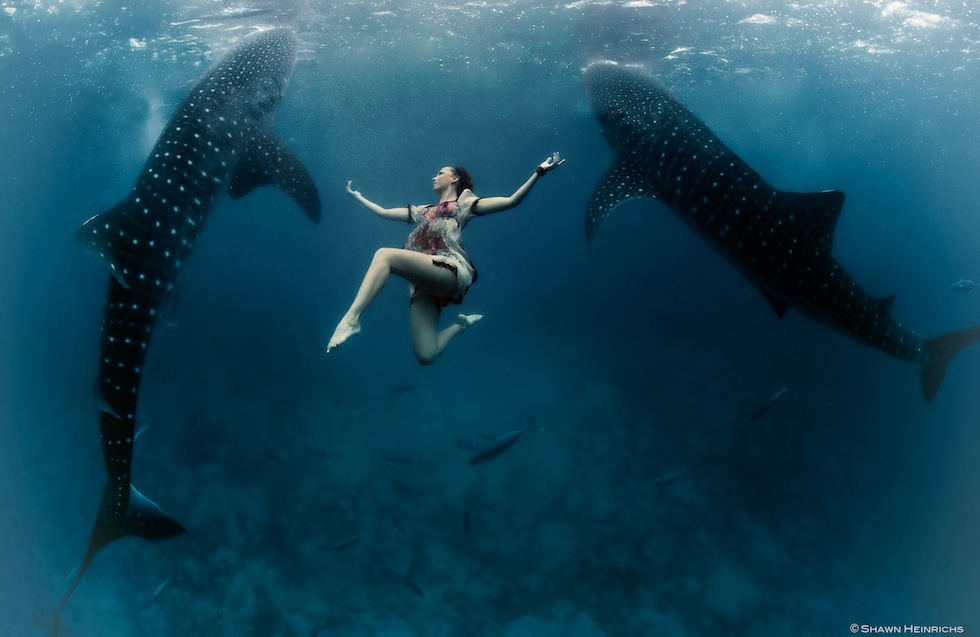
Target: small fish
{"type": "Point", "coordinates": [339, 544]}
{"type": "Point", "coordinates": [155, 595]}
{"type": "Point", "coordinates": [277, 455]}
{"type": "Point", "coordinates": [764, 407]}
{"type": "Point", "coordinates": [406, 579]}
{"type": "Point", "coordinates": [404, 388]}
{"type": "Point", "coordinates": [395, 520]}
{"type": "Point", "coordinates": [964, 285]}
{"type": "Point", "coordinates": [410, 583]}
{"type": "Point", "coordinates": [668, 477]}
{"type": "Point", "coordinates": [396, 458]}
{"type": "Point", "coordinates": [320, 625]}
{"type": "Point", "coordinates": [206, 629]}
{"type": "Point", "coordinates": [399, 486]}
{"type": "Point", "coordinates": [467, 519]}
{"type": "Point", "coordinates": [320, 452]}
{"type": "Point", "coordinates": [496, 447]}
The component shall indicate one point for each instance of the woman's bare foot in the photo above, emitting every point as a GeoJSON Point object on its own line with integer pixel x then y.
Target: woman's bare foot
{"type": "Point", "coordinates": [347, 328]}
{"type": "Point", "coordinates": [467, 320]}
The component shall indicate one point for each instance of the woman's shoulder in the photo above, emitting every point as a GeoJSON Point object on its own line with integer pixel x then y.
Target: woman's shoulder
{"type": "Point", "coordinates": [466, 196]}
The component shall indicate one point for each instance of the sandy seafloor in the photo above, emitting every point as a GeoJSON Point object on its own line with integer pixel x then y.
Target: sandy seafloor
{"type": "Point", "coordinates": [640, 500]}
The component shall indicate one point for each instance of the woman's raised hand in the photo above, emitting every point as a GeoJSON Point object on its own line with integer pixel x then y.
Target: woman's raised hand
{"type": "Point", "coordinates": [551, 163]}
{"type": "Point", "coordinates": [355, 193]}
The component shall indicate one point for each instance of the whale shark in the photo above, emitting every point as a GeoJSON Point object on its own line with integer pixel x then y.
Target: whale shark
{"type": "Point", "coordinates": [220, 138]}
{"type": "Point", "coordinates": [780, 241]}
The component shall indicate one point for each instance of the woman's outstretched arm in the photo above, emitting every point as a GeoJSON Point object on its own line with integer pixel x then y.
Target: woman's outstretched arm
{"type": "Point", "coordinates": [398, 214]}
{"type": "Point", "coordinates": [488, 205]}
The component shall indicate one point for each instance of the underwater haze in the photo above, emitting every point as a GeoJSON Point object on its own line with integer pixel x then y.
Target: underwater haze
{"type": "Point", "coordinates": [654, 490]}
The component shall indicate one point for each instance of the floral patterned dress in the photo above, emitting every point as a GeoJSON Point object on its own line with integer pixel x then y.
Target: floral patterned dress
{"type": "Point", "coordinates": [438, 232]}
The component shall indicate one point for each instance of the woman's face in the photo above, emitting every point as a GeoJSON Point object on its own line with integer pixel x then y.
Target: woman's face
{"type": "Point", "coordinates": [444, 179]}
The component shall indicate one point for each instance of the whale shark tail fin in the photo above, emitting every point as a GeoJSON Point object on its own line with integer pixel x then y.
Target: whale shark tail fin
{"type": "Point", "coordinates": [142, 519]}
{"type": "Point", "coordinates": [941, 351]}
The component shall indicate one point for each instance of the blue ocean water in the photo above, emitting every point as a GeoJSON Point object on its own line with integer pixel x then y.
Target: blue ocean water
{"type": "Point", "coordinates": [639, 501]}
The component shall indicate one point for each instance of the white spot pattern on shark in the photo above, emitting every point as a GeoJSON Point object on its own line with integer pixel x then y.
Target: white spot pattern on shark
{"type": "Point", "coordinates": [211, 142]}
{"type": "Point", "coordinates": [781, 241]}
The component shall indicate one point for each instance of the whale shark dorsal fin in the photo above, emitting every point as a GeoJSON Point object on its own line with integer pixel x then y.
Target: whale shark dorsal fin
{"type": "Point", "coordinates": [818, 212]}
{"type": "Point", "coordinates": [101, 403]}
{"type": "Point", "coordinates": [884, 305]}
{"type": "Point", "coordinates": [267, 161]}
{"type": "Point", "coordinates": [621, 182]}
{"type": "Point", "coordinates": [95, 237]}
{"type": "Point", "coordinates": [778, 305]}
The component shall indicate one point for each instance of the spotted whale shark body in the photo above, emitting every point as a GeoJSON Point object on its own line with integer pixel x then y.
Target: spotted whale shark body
{"type": "Point", "coordinates": [781, 241]}
{"type": "Point", "coordinates": [220, 137]}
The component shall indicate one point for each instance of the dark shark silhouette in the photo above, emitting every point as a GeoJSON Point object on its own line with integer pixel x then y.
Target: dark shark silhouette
{"type": "Point", "coordinates": [781, 241]}
{"type": "Point", "coordinates": [220, 136]}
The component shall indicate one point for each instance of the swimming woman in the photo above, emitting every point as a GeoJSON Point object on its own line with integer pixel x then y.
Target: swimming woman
{"type": "Point", "coordinates": [432, 260]}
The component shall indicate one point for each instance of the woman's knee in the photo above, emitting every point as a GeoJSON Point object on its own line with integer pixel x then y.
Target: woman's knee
{"type": "Point", "coordinates": [426, 357]}
{"type": "Point", "coordinates": [382, 256]}
{"type": "Point", "coordinates": [425, 344]}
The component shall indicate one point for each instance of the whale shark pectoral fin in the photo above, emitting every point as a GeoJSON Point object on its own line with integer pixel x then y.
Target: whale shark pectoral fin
{"type": "Point", "coordinates": [95, 237]}
{"type": "Point", "coordinates": [778, 305]}
{"type": "Point", "coordinates": [620, 183]}
{"type": "Point", "coordinates": [143, 518]}
{"type": "Point", "coordinates": [267, 161]}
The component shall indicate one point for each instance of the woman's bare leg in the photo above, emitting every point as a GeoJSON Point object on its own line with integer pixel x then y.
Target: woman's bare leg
{"type": "Point", "coordinates": [428, 341]}
{"type": "Point", "coordinates": [413, 266]}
